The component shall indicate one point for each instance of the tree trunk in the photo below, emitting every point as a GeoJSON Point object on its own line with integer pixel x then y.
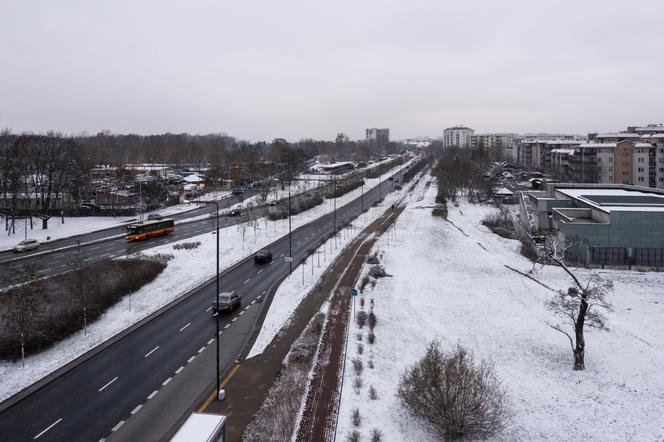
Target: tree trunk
{"type": "Point", "coordinates": [44, 223]}
{"type": "Point", "coordinates": [579, 350]}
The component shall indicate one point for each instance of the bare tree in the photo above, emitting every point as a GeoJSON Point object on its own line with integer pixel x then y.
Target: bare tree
{"type": "Point", "coordinates": [83, 285]}
{"type": "Point", "coordinates": [581, 305]}
{"type": "Point", "coordinates": [20, 303]}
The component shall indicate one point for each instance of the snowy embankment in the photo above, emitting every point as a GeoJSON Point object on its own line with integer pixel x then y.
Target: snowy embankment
{"type": "Point", "coordinates": [188, 269]}
{"type": "Point", "coordinates": [445, 286]}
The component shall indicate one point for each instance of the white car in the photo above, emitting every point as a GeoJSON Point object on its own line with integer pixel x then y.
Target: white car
{"type": "Point", "coordinates": [25, 245]}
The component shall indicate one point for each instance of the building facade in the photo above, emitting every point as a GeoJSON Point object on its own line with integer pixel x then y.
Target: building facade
{"type": "Point", "coordinates": [379, 137]}
{"type": "Point", "coordinates": [607, 224]}
{"type": "Point", "coordinates": [459, 136]}
{"type": "Point", "coordinates": [497, 146]}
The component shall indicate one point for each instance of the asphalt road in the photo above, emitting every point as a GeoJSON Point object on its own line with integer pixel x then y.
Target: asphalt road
{"type": "Point", "coordinates": [86, 403]}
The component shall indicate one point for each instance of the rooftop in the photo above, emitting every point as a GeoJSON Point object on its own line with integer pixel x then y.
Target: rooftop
{"type": "Point", "coordinates": [612, 199]}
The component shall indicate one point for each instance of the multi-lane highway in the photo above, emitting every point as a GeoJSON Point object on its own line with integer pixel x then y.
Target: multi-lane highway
{"type": "Point", "coordinates": [87, 402]}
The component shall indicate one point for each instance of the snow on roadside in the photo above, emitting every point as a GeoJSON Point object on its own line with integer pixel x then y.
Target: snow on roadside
{"type": "Point", "coordinates": [446, 287]}
{"type": "Point", "coordinates": [188, 269]}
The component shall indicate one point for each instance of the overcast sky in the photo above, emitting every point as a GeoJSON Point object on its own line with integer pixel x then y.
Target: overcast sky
{"type": "Point", "coordinates": [309, 69]}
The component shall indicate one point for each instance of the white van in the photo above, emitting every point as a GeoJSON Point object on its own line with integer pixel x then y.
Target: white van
{"type": "Point", "coordinates": [27, 244]}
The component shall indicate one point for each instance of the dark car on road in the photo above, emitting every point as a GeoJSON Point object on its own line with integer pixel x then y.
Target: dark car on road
{"type": "Point", "coordinates": [227, 302]}
{"type": "Point", "coordinates": [234, 212]}
{"type": "Point", "coordinates": [263, 256]}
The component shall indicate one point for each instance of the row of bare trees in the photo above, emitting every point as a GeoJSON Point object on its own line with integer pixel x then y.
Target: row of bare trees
{"type": "Point", "coordinates": [38, 172]}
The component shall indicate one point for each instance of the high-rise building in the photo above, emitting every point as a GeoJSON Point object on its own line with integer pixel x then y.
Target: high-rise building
{"type": "Point", "coordinates": [379, 137]}
{"type": "Point", "coordinates": [457, 136]}
{"type": "Point", "coordinates": [497, 146]}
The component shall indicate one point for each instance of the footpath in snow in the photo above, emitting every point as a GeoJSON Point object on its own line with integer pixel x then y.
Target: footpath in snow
{"type": "Point", "coordinates": [445, 286]}
{"type": "Point", "coordinates": [187, 270]}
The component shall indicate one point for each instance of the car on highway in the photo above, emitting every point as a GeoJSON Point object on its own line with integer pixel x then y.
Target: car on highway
{"type": "Point", "coordinates": [155, 216]}
{"type": "Point", "coordinates": [234, 212]}
{"type": "Point", "coordinates": [227, 302]}
{"type": "Point", "coordinates": [263, 256]}
{"type": "Point", "coordinates": [26, 244]}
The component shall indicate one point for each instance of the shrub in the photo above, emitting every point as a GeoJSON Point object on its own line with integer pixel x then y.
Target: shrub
{"type": "Point", "coordinates": [373, 394]}
{"type": "Point", "coordinates": [371, 338]}
{"type": "Point", "coordinates": [376, 435]}
{"type": "Point", "coordinates": [453, 395]}
{"type": "Point", "coordinates": [357, 366]}
{"type": "Point", "coordinates": [360, 349]}
{"type": "Point", "coordinates": [359, 337]}
{"type": "Point", "coordinates": [528, 248]}
{"type": "Point", "coordinates": [363, 283]}
{"type": "Point", "coordinates": [377, 271]}
{"type": "Point", "coordinates": [354, 436]}
{"type": "Point", "coordinates": [373, 258]}
{"type": "Point", "coordinates": [357, 384]}
{"type": "Point", "coordinates": [187, 245]}
{"type": "Point", "coordinates": [355, 417]}
{"type": "Point", "coordinates": [501, 224]}
{"type": "Point", "coordinates": [361, 301]}
{"type": "Point", "coordinates": [371, 320]}
{"type": "Point", "coordinates": [361, 318]}
{"type": "Point", "coordinates": [440, 212]}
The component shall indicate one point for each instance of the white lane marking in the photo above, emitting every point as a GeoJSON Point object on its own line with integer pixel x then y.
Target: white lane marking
{"type": "Point", "coordinates": [241, 313]}
{"type": "Point", "coordinates": [260, 271]}
{"type": "Point", "coordinates": [259, 296]}
{"type": "Point", "coordinates": [263, 292]}
{"type": "Point", "coordinates": [227, 325]}
{"type": "Point", "coordinates": [151, 351]}
{"type": "Point", "coordinates": [165, 383]}
{"type": "Point", "coordinates": [191, 359]}
{"type": "Point", "coordinates": [137, 409]}
{"type": "Point", "coordinates": [44, 270]}
{"type": "Point", "coordinates": [246, 281]}
{"type": "Point", "coordinates": [200, 350]}
{"type": "Point", "coordinates": [48, 428]}
{"type": "Point", "coordinates": [104, 256]}
{"type": "Point", "coordinates": [280, 256]}
{"type": "Point", "coordinates": [247, 307]}
{"type": "Point", "coordinates": [209, 308]}
{"type": "Point", "coordinates": [95, 248]}
{"type": "Point", "coordinates": [211, 340]}
{"type": "Point", "coordinates": [272, 262]}
{"type": "Point", "coordinates": [88, 259]}
{"type": "Point", "coordinates": [234, 319]}
{"type": "Point", "coordinates": [153, 394]}
{"type": "Point", "coordinates": [188, 324]}
{"type": "Point", "coordinates": [109, 383]}
{"type": "Point", "coordinates": [179, 370]}
{"type": "Point", "coordinates": [253, 302]}
{"type": "Point", "coordinates": [117, 427]}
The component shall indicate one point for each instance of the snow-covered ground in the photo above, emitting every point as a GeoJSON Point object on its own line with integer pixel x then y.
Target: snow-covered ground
{"type": "Point", "coordinates": [188, 269]}
{"type": "Point", "coordinates": [445, 286]}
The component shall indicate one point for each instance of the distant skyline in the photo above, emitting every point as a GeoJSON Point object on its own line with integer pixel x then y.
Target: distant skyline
{"type": "Point", "coordinates": [294, 69]}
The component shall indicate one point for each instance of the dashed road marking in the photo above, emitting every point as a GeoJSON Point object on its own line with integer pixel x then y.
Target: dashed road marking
{"type": "Point", "coordinates": [260, 271]}
{"type": "Point", "coordinates": [246, 281]}
{"type": "Point", "coordinates": [208, 309]}
{"type": "Point", "coordinates": [188, 324]}
{"type": "Point", "coordinates": [227, 325]}
{"type": "Point", "coordinates": [109, 383]}
{"type": "Point", "coordinates": [253, 302]}
{"type": "Point", "coordinates": [191, 359]}
{"type": "Point", "coordinates": [179, 370]}
{"type": "Point", "coordinates": [200, 350]}
{"type": "Point", "coordinates": [152, 351]}
{"type": "Point", "coordinates": [211, 340]}
{"type": "Point", "coordinates": [165, 383]}
{"type": "Point", "coordinates": [241, 313]}
{"type": "Point", "coordinates": [153, 394]}
{"type": "Point", "coordinates": [48, 428]}
{"type": "Point", "coordinates": [117, 427]}
{"type": "Point", "coordinates": [234, 319]}
{"type": "Point", "coordinates": [137, 409]}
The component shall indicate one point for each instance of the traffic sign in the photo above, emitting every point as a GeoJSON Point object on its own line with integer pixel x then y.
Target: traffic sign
{"type": "Point", "coordinates": [288, 258]}
{"type": "Point", "coordinates": [353, 292]}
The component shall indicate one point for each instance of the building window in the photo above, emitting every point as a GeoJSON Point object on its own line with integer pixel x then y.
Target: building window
{"type": "Point", "coordinates": [641, 179]}
{"type": "Point", "coordinates": [640, 169]}
{"type": "Point", "coordinates": [610, 159]}
{"type": "Point", "coordinates": [641, 160]}
{"type": "Point", "coordinates": [610, 169]}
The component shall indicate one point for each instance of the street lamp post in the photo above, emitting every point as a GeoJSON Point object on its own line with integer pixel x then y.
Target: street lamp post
{"type": "Point", "coordinates": [290, 238]}
{"type": "Point", "coordinates": [216, 204]}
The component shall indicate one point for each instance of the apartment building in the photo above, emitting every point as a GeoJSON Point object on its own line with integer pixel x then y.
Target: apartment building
{"type": "Point", "coordinates": [457, 136]}
{"type": "Point", "coordinates": [379, 137]}
{"type": "Point", "coordinates": [537, 154]}
{"type": "Point", "coordinates": [498, 146]}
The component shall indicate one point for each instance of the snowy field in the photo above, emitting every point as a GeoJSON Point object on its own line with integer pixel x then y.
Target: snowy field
{"type": "Point", "coordinates": [446, 287]}
{"type": "Point", "coordinates": [188, 269]}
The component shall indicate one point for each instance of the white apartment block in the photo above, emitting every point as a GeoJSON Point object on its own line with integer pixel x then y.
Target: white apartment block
{"type": "Point", "coordinates": [457, 136]}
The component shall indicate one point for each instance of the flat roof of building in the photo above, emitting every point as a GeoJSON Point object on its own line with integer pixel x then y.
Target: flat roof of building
{"type": "Point", "coordinates": [617, 199]}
